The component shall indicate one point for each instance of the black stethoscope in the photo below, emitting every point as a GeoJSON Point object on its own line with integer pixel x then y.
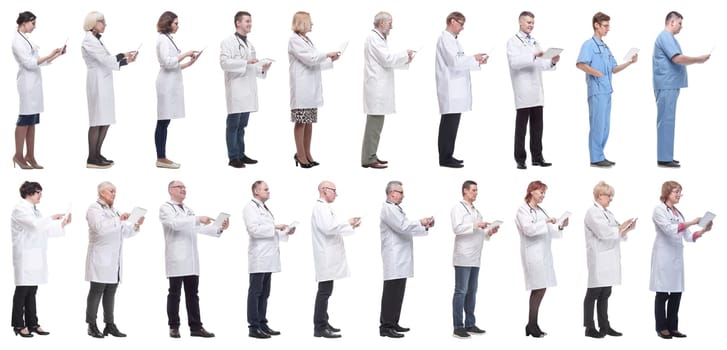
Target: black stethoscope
{"type": "Point", "coordinates": [32, 48]}
{"type": "Point", "coordinates": [263, 207]}
{"type": "Point", "coordinates": [599, 46]}
{"type": "Point", "coordinates": [176, 208]}
{"type": "Point", "coordinates": [534, 213]}
{"type": "Point", "coordinates": [175, 45]}
{"type": "Point", "coordinates": [605, 213]}
{"type": "Point", "coordinates": [671, 213]}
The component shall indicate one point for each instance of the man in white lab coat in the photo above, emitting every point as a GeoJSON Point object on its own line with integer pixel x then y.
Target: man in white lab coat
{"type": "Point", "coordinates": [379, 65]}
{"type": "Point", "coordinates": [242, 68]}
{"type": "Point", "coordinates": [181, 258]}
{"type": "Point", "coordinates": [107, 230]}
{"type": "Point", "coordinates": [397, 253]}
{"type": "Point", "coordinates": [470, 232]}
{"type": "Point", "coordinates": [454, 87]}
{"type": "Point", "coordinates": [263, 257]}
{"type": "Point", "coordinates": [329, 255]}
{"type": "Point", "coordinates": [526, 61]}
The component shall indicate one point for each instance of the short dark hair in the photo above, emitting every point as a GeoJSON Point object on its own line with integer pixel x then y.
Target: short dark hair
{"type": "Point", "coordinates": [164, 25]}
{"type": "Point", "coordinates": [25, 17]}
{"type": "Point", "coordinates": [255, 185]}
{"type": "Point", "coordinates": [455, 16]}
{"type": "Point", "coordinates": [526, 14]}
{"type": "Point", "coordinates": [467, 184]}
{"type": "Point", "coordinates": [599, 17]}
{"type": "Point", "coordinates": [28, 189]}
{"type": "Point", "coordinates": [240, 14]}
{"type": "Point", "coordinates": [672, 15]}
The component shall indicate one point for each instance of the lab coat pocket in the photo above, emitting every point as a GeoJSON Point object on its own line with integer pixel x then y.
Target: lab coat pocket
{"type": "Point", "coordinates": [33, 258]}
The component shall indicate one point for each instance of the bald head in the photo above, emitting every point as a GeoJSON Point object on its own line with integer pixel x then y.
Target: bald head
{"type": "Point", "coordinates": [177, 191]}
{"type": "Point", "coordinates": [327, 191]}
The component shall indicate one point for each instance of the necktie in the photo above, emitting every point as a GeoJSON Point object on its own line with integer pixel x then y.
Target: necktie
{"type": "Point", "coordinates": [268, 210]}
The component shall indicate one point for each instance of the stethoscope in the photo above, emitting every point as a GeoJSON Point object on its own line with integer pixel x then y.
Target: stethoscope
{"type": "Point", "coordinates": [263, 207]}
{"type": "Point", "coordinates": [176, 208]}
{"type": "Point", "coordinates": [468, 209]}
{"type": "Point", "coordinates": [32, 48]}
{"type": "Point", "coordinates": [534, 213]}
{"type": "Point", "coordinates": [175, 45]}
{"type": "Point", "coordinates": [673, 217]}
{"type": "Point", "coordinates": [105, 206]}
{"type": "Point", "coordinates": [530, 45]}
{"type": "Point", "coordinates": [599, 46]}
{"type": "Point", "coordinates": [608, 217]}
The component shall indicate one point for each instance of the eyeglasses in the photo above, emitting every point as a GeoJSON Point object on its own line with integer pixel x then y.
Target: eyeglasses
{"type": "Point", "coordinates": [606, 194]}
{"type": "Point", "coordinates": [179, 187]}
{"type": "Point", "coordinates": [605, 25]}
{"type": "Point", "coordinates": [328, 188]}
{"type": "Point", "coordinates": [397, 191]}
{"type": "Point", "coordinates": [461, 23]}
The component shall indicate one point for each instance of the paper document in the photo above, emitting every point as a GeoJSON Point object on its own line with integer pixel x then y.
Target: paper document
{"type": "Point", "coordinates": [630, 55]}
{"type": "Point", "coordinates": [551, 52]}
{"type": "Point", "coordinates": [199, 53]}
{"type": "Point", "coordinates": [265, 61]}
{"type": "Point", "coordinates": [136, 214]}
{"type": "Point", "coordinates": [342, 48]}
{"type": "Point", "coordinates": [221, 218]}
{"type": "Point", "coordinates": [493, 225]}
{"type": "Point", "coordinates": [563, 217]}
{"type": "Point", "coordinates": [291, 226]}
{"type": "Point", "coordinates": [137, 49]}
{"type": "Point", "coordinates": [706, 219]}
{"type": "Point", "coordinates": [632, 223]}
{"type": "Point", "coordinates": [68, 212]}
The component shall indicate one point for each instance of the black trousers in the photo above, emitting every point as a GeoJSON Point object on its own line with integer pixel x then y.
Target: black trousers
{"type": "Point", "coordinates": [24, 306]}
{"type": "Point", "coordinates": [257, 299]}
{"type": "Point", "coordinates": [669, 302]}
{"type": "Point", "coordinates": [535, 116]}
{"type": "Point", "coordinates": [391, 299]}
{"type": "Point", "coordinates": [191, 300]}
{"type": "Point", "coordinates": [97, 292]}
{"type": "Point", "coordinates": [599, 295]}
{"type": "Point", "coordinates": [448, 126]}
{"type": "Point", "coordinates": [320, 312]}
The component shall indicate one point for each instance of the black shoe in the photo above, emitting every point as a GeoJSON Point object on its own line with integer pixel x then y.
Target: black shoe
{"type": "Point", "coordinates": [202, 333]}
{"type": "Point", "coordinates": [390, 332]}
{"type": "Point", "coordinates": [248, 160]}
{"type": "Point", "coordinates": [475, 330]}
{"type": "Point", "coordinates": [610, 331]}
{"type": "Point", "coordinates": [37, 331]}
{"type": "Point", "coordinates": [93, 331]}
{"type": "Point", "coordinates": [540, 330]}
{"type": "Point", "coordinates": [671, 164]}
{"type": "Point", "coordinates": [111, 329]}
{"type": "Point", "coordinates": [664, 334]}
{"type": "Point", "coordinates": [236, 163]}
{"type": "Point", "coordinates": [268, 330]}
{"type": "Point", "coordinates": [258, 333]}
{"type": "Point", "coordinates": [19, 331]}
{"type": "Point", "coordinates": [332, 329]}
{"type": "Point", "coordinates": [593, 333]}
{"type": "Point", "coordinates": [451, 164]}
{"type": "Point", "coordinates": [521, 165]}
{"type": "Point", "coordinates": [541, 163]}
{"type": "Point", "coordinates": [97, 164]}
{"type": "Point", "coordinates": [174, 333]}
{"type": "Point", "coordinates": [535, 333]}
{"type": "Point", "coordinates": [106, 160]}
{"type": "Point", "coordinates": [602, 164]}
{"type": "Point", "coordinates": [454, 159]}
{"type": "Point", "coordinates": [302, 165]}
{"type": "Point", "coordinates": [325, 333]}
{"type": "Point", "coordinates": [612, 163]}
{"type": "Point", "coordinates": [675, 161]}
{"type": "Point", "coordinates": [461, 333]}
{"type": "Point", "coordinates": [401, 329]}
{"type": "Point", "coordinates": [677, 334]}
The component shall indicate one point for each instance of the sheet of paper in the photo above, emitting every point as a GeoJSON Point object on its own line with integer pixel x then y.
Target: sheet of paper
{"type": "Point", "coordinates": [706, 218]}
{"type": "Point", "coordinates": [136, 213]}
{"type": "Point", "coordinates": [342, 48]}
{"type": "Point", "coordinates": [291, 226]}
{"type": "Point", "coordinates": [563, 217]}
{"type": "Point", "coordinates": [493, 225]}
{"type": "Point", "coordinates": [630, 54]}
{"type": "Point", "coordinates": [221, 217]}
{"type": "Point", "coordinates": [265, 61]}
{"type": "Point", "coordinates": [68, 212]}
{"type": "Point", "coordinates": [551, 52]}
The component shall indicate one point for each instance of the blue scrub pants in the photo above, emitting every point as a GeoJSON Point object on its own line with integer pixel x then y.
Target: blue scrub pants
{"type": "Point", "coordinates": [599, 117]}
{"type": "Point", "coordinates": [666, 107]}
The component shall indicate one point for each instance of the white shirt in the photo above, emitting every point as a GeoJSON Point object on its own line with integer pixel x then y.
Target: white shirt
{"type": "Point", "coordinates": [379, 65]}
{"type": "Point", "coordinates": [603, 247]}
{"type": "Point", "coordinates": [106, 233]}
{"type": "Point", "coordinates": [526, 70]}
{"type": "Point", "coordinates": [452, 73]}
{"type": "Point", "coordinates": [181, 227]}
{"type": "Point", "coordinates": [397, 244]}
{"type": "Point", "coordinates": [240, 76]}
{"type": "Point", "coordinates": [329, 254]}
{"type": "Point", "coordinates": [263, 249]}
{"type": "Point", "coordinates": [468, 239]}
{"type": "Point", "coordinates": [30, 233]}
{"type": "Point", "coordinates": [535, 237]}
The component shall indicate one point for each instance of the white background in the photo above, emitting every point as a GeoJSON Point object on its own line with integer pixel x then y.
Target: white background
{"type": "Point", "coordinates": [408, 141]}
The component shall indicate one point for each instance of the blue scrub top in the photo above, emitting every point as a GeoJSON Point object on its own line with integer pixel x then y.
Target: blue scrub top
{"type": "Point", "coordinates": [596, 54]}
{"type": "Point", "coordinates": [667, 74]}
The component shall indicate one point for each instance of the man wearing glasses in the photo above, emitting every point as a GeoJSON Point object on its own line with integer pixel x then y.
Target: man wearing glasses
{"type": "Point", "coordinates": [329, 255]}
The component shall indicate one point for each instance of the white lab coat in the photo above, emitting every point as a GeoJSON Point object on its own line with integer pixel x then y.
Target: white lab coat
{"type": "Point", "coordinates": [30, 231]}
{"type": "Point", "coordinates": [397, 244]}
{"type": "Point", "coordinates": [100, 64]}
{"type": "Point", "coordinates": [603, 247]}
{"type": "Point", "coordinates": [181, 227]}
{"type": "Point", "coordinates": [306, 63]}
{"type": "Point", "coordinates": [329, 254]}
{"type": "Point", "coordinates": [240, 77]}
{"type": "Point", "coordinates": [263, 248]}
{"type": "Point", "coordinates": [452, 72]}
{"type": "Point", "coordinates": [30, 82]}
{"type": "Point", "coordinates": [379, 65]}
{"type": "Point", "coordinates": [106, 233]}
{"type": "Point", "coordinates": [667, 256]}
{"type": "Point", "coordinates": [170, 86]}
{"type": "Point", "coordinates": [468, 240]}
{"type": "Point", "coordinates": [526, 71]}
{"type": "Point", "coordinates": [535, 238]}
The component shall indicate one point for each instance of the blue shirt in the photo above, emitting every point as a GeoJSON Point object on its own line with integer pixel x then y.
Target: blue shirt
{"type": "Point", "coordinates": [596, 54]}
{"type": "Point", "coordinates": [667, 74]}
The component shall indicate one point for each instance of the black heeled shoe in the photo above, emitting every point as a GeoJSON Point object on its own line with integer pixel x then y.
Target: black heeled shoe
{"type": "Point", "coordinates": [540, 330]}
{"type": "Point", "coordinates": [313, 163]}
{"type": "Point", "coordinates": [37, 330]}
{"type": "Point", "coordinates": [111, 329]}
{"type": "Point", "coordinates": [535, 333]}
{"type": "Point", "coordinates": [19, 331]}
{"type": "Point", "coordinates": [302, 165]}
{"type": "Point", "coordinates": [93, 331]}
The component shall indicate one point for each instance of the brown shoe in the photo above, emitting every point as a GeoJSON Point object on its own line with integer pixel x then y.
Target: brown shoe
{"type": "Point", "coordinates": [375, 165]}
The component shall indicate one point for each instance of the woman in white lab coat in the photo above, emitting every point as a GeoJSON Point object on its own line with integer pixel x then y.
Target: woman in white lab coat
{"type": "Point", "coordinates": [30, 232]}
{"type": "Point", "coordinates": [667, 259]}
{"type": "Point", "coordinates": [170, 87]}
{"type": "Point", "coordinates": [30, 90]}
{"type": "Point", "coordinates": [536, 230]}
{"type": "Point", "coordinates": [603, 254]}
{"type": "Point", "coordinates": [100, 86]}
{"type": "Point", "coordinates": [306, 91]}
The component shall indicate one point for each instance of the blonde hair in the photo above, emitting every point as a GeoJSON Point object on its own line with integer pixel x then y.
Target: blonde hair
{"type": "Point", "coordinates": [301, 22]}
{"type": "Point", "coordinates": [603, 188]}
{"type": "Point", "coordinates": [91, 19]}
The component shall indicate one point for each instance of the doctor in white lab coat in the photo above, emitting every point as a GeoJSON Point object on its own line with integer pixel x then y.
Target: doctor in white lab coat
{"type": "Point", "coordinates": [524, 55]}
{"type": "Point", "coordinates": [454, 87]}
{"type": "Point", "coordinates": [329, 254]}
{"type": "Point", "coordinates": [169, 84]}
{"type": "Point", "coordinates": [667, 259]}
{"type": "Point", "coordinates": [397, 253]}
{"type": "Point", "coordinates": [181, 227]}
{"type": "Point", "coordinates": [30, 89]}
{"type": "Point", "coordinates": [537, 229]}
{"type": "Point", "coordinates": [30, 233]}
{"type": "Point", "coordinates": [238, 60]}
{"type": "Point", "coordinates": [603, 255]}
{"type": "Point", "coordinates": [100, 64]}
{"type": "Point", "coordinates": [107, 229]}
{"type": "Point", "coordinates": [306, 89]}
{"type": "Point", "coordinates": [263, 257]}
{"type": "Point", "coordinates": [379, 65]}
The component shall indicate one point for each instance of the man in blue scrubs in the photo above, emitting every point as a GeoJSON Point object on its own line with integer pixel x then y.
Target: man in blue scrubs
{"type": "Point", "coordinates": [670, 75]}
{"type": "Point", "coordinates": [597, 61]}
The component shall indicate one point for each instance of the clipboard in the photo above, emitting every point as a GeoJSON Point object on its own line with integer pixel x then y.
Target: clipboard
{"type": "Point", "coordinates": [706, 219]}
{"type": "Point", "coordinates": [136, 214]}
{"type": "Point", "coordinates": [221, 217]}
{"type": "Point", "coordinates": [630, 55]}
{"type": "Point", "coordinates": [493, 225]}
{"type": "Point", "coordinates": [565, 215]}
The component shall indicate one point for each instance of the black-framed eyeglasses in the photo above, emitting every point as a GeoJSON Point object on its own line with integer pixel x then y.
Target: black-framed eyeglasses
{"type": "Point", "coordinates": [179, 187]}
{"type": "Point", "coordinates": [398, 191]}
{"type": "Point", "coordinates": [328, 188]}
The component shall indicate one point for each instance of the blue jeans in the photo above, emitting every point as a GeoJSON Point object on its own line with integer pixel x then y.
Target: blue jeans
{"type": "Point", "coordinates": [235, 134]}
{"type": "Point", "coordinates": [465, 295]}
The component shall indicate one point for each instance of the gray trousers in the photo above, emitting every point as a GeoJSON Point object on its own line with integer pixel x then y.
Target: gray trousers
{"type": "Point", "coordinates": [372, 133]}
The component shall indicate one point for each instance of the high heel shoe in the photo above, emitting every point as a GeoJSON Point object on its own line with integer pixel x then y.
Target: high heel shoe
{"type": "Point", "coordinates": [535, 333]}
{"type": "Point", "coordinates": [22, 165]}
{"type": "Point", "coordinates": [19, 331]}
{"type": "Point", "coordinates": [37, 330]}
{"type": "Point", "coordinates": [34, 164]}
{"type": "Point", "coordinates": [313, 163]}
{"type": "Point", "coordinates": [93, 331]}
{"type": "Point", "coordinates": [302, 165]}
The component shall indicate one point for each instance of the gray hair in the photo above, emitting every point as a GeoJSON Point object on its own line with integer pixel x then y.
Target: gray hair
{"type": "Point", "coordinates": [91, 19]}
{"type": "Point", "coordinates": [380, 17]}
{"type": "Point", "coordinates": [104, 185]}
{"type": "Point", "coordinates": [390, 186]}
